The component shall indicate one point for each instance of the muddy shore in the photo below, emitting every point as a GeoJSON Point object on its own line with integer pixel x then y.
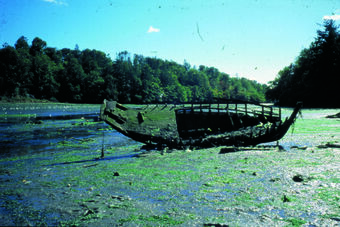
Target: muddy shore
{"type": "Point", "coordinates": [261, 186]}
{"type": "Point", "coordinates": [251, 187]}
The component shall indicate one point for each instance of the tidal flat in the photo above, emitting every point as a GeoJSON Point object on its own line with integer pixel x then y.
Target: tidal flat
{"type": "Point", "coordinates": [64, 181]}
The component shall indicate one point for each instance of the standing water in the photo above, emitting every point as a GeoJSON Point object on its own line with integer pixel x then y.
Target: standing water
{"type": "Point", "coordinates": [312, 128]}
{"type": "Point", "coordinates": [29, 128]}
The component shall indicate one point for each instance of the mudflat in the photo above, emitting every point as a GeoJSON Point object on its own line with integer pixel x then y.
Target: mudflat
{"type": "Point", "coordinates": [258, 186]}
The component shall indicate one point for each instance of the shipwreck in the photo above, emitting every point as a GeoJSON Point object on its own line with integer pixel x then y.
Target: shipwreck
{"type": "Point", "coordinates": [227, 123]}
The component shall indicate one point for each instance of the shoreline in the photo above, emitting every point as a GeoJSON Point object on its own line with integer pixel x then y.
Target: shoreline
{"type": "Point", "coordinates": [20, 99]}
{"type": "Point", "coordinates": [23, 100]}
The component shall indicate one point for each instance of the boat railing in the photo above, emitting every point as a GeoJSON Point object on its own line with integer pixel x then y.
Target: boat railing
{"type": "Point", "coordinates": [244, 108]}
{"type": "Point", "coordinates": [251, 109]}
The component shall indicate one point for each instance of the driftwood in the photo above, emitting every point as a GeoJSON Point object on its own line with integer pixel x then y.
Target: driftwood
{"type": "Point", "coordinates": [334, 116]}
{"type": "Point", "coordinates": [329, 145]}
{"type": "Point", "coordinates": [232, 123]}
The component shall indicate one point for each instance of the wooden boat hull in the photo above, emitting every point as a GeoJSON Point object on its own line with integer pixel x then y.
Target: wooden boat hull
{"type": "Point", "coordinates": [198, 125]}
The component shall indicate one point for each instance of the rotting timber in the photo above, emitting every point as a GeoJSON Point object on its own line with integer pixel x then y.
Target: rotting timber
{"type": "Point", "coordinates": [231, 123]}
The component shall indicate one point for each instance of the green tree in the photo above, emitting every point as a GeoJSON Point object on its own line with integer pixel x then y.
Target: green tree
{"type": "Point", "coordinates": [91, 76]}
{"type": "Point", "coordinates": [9, 71]}
{"type": "Point", "coordinates": [22, 44]}
{"type": "Point", "coordinates": [24, 64]}
{"type": "Point", "coordinates": [123, 71]}
{"type": "Point", "coordinates": [71, 80]}
{"type": "Point", "coordinates": [45, 85]}
{"type": "Point", "coordinates": [38, 46]}
{"type": "Point", "coordinates": [313, 77]}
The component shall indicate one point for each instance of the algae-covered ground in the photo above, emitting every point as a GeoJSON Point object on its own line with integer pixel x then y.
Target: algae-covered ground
{"type": "Point", "coordinates": [261, 186]}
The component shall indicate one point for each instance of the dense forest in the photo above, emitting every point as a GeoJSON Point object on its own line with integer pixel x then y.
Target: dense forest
{"type": "Point", "coordinates": [314, 77]}
{"type": "Point", "coordinates": [89, 76]}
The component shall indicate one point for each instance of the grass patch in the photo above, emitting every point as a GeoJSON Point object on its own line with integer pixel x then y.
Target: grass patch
{"type": "Point", "coordinates": [330, 196]}
{"type": "Point", "coordinates": [295, 222]}
{"type": "Point", "coordinates": [18, 115]}
{"type": "Point", "coordinates": [160, 220]}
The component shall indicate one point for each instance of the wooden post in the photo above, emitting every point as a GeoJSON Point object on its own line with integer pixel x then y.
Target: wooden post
{"type": "Point", "coordinates": [102, 154]}
{"type": "Point", "coordinates": [271, 112]}
{"type": "Point", "coordinates": [231, 122]}
{"type": "Point", "coordinates": [280, 112]}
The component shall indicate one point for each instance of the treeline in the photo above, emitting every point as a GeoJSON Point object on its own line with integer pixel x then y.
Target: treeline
{"type": "Point", "coordinates": [314, 77]}
{"type": "Point", "coordinates": [89, 76]}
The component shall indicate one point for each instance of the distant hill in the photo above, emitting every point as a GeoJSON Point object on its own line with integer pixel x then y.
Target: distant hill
{"type": "Point", "coordinates": [89, 76]}
{"type": "Point", "coordinates": [314, 76]}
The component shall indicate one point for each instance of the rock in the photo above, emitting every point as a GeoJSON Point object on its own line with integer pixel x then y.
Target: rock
{"type": "Point", "coordinates": [275, 179]}
{"type": "Point", "coordinates": [215, 225]}
{"type": "Point", "coordinates": [298, 178]}
{"type": "Point", "coordinates": [207, 185]}
{"type": "Point", "coordinates": [301, 178]}
{"type": "Point", "coordinates": [336, 219]}
{"type": "Point", "coordinates": [285, 199]}
{"type": "Point", "coordinates": [120, 198]}
{"type": "Point", "coordinates": [88, 212]}
{"type": "Point", "coordinates": [115, 174]}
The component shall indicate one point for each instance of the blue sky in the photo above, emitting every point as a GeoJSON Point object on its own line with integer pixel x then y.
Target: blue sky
{"type": "Point", "coordinates": [247, 38]}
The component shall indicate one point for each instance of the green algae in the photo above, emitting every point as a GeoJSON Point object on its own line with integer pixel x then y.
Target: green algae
{"type": "Point", "coordinates": [295, 222]}
{"type": "Point", "coordinates": [164, 178]}
{"type": "Point", "coordinates": [17, 116]}
{"type": "Point", "coordinates": [163, 220]}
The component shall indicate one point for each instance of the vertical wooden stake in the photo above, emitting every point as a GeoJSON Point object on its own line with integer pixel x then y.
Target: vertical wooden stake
{"type": "Point", "coordinates": [102, 155]}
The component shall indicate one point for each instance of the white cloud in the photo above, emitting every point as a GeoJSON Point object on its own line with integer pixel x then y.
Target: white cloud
{"type": "Point", "coordinates": [57, 2]}
{"type": "Point", "coordinates": [332, 17]}
{"type": "Point", "coordinates": [152, 29]}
